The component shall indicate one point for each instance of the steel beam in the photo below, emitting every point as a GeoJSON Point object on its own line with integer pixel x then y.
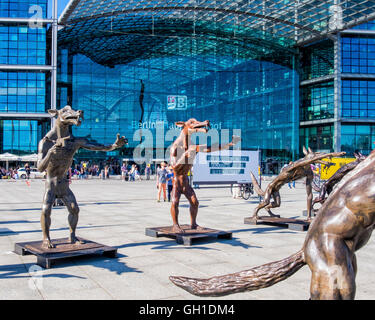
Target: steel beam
{"type": "Point", "coordinates": [54, 58]}
{"type": "Point", "coordinates": [24, 20]}
{"type": "Point", "coordinates": [25, 67]}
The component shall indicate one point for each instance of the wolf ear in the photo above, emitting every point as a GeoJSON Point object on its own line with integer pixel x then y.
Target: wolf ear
{"type": "Point", "coordinates": [309, 150]}
{"type": "Point", "coordinates": [180, 124]}
{"type": "Point", "coordinates": [53, 112]}
{"type": "Point", "coordinates": [304, 151]}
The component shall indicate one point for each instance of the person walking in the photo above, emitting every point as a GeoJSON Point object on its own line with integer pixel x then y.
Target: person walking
{"type": "Point", "coordinates": [162, 181]}
{"type": "Point", "coordinates": [170, 176]}
{"type": "Point", "coordinates": [124, 171]}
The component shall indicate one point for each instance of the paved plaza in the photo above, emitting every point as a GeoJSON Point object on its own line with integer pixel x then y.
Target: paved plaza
{"type": "Point", "coordinates": [116, 213]}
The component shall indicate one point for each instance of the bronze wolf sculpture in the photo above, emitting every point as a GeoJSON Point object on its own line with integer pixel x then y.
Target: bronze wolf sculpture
{"type": "Point", "coordinates": [294, 171]}
{"type": "Point", "coordinates": [55, 155]}
{"type": "Point", "coordinates": [342, 226]}
{"type": "Point", "coordinates": [182, 155]}
{"type": "Point", "coordinates": [328, 185]}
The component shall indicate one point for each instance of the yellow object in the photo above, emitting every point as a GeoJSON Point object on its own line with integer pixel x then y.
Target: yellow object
{"type": "Point", "coordinates": [328, 171]}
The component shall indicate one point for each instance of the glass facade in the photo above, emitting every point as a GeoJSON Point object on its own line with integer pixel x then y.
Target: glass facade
{"type": "Point", "coordinates": [366, 26]}
{"type": "Point", "coordinates": [358, 55]}
{"type": "Point", "coordinates": [258, 98]}
{"type": "Point", "coordinates": [22, 45]}
{"type": "Point", "coordinates": [317, 102]}
{"type": "Point", "coordinates": [317, 60]}
{"type": "Point", "coordinates": [357, 137]}
{"type": "Point", "coordinates": [22, 91]}
{"type": "Point", "coordinates": [317, 138]}
{"type": "Point", "coordinates": [19, 136]}
{"type": "Point", "coordinates": [358, 99]}
{"type": "Point", "coordinates": [23, 8]}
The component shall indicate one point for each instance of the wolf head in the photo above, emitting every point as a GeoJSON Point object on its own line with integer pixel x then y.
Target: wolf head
{"type": "Point", "coordinates": [67, 116]}
{"type": "Point", "coordinates": [309, 154]}
{"type": "Point", "coordinates": [192, 126]}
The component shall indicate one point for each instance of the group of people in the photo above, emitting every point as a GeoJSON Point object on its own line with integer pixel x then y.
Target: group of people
{"type": "Point", "coordinates": [131, 174]}
{"type": "Point", "coordinates": [11, 173]}
{"type": "Point", "coordinates": [164, 180]}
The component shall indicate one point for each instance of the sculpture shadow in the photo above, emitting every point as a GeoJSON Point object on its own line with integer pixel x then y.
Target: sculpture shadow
{"type": "Point", "coordinates": [63, 206]}
{"type": "Point", "coordinates": [7, 232]}
{"type": "Point", "coordinates": [163, 245]}
{"type": "Point", "coordinates": [268, 229]}
{"type": "Point", "coordinates": [111, 264]}
{"type": "Point", "coordinates": [15, 271]}
{"type": "Point", "coordinates": [18, 221]}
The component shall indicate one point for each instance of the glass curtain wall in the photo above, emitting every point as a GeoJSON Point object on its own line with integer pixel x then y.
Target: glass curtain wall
{"type": "Point", "coordinates": [22, 92]}
{"type": "Point", "coordinates": [254, 98]}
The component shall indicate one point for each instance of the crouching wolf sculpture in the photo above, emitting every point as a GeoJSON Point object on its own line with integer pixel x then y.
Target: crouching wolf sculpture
{"type": "Point", "coordinates": [55, 155]}
{"type": "Point", "coordinates": [343, 225]}
{"type": "Point", "coordinates": [328, 186]}
{"type": "Point", "coordinates": [294, 171]}
{"type": "Point", "coordinates": [182, 155]}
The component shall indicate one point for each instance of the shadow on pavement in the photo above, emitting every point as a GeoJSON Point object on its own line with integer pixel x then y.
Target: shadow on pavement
{"type": "Point", "coordinates": [13, 271]}
{"type": "Point", "coordinates": [111, 264]}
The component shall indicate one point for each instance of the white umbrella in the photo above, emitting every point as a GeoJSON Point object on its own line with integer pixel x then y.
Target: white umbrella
{"type": "Point", "coordinates": [9, 157]}
{"type": "Point", "coordinates": [30, 157]}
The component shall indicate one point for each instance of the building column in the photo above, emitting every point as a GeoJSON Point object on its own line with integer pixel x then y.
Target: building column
{"type": "Point", "coordinates": [54, 59]}
{"type": "Point", "coordinates": [337, 94]}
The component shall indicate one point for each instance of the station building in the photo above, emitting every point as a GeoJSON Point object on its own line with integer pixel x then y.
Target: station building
{"type": "Point", "coordinates": [284, 73]}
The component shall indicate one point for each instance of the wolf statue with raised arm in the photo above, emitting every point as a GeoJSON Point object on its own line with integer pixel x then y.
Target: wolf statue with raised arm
{"type": "Point", "coordinates": [182, 155]}
{"type": "Point", "coordinates": [55, 156]}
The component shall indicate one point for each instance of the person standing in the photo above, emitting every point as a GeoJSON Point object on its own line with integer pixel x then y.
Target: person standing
{"type": "Point", "coordinates": [148, 171]}
{"type": "Point", "coordinates": [28, 170]}
{"type": "Point", "coordinates": [162, 181]}
{"type": "Point", "coordinates": [124, 171]}
{"type": "Point", "coordinates": [170, 176]}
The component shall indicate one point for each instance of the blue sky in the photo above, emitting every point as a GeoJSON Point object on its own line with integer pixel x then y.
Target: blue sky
{"type": "Point", "coordinates": [61, 4]}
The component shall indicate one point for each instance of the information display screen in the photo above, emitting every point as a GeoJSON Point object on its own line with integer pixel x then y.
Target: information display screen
{"type": "Point", "coordinates": [223, 167]}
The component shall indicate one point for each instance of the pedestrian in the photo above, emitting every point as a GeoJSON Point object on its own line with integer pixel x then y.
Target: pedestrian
{"type": "Point", "coordinates": [170, 176]}
{"type": "Point", "coordinates": [137, 175]}
{"type": "Point", "coordinates": [148, 171]}
{"type": "Point", "coordinates": [161, 181]}
{"type": "Point", "coordinates": [28, 170]}
{"type": "Point", "coordinates": [124, 171]}
{"type": "Point", "coordinates": [131, 173]}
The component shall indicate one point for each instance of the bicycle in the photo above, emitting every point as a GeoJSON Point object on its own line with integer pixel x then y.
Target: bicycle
{"type": "Point", "coordinates": [246, 190]}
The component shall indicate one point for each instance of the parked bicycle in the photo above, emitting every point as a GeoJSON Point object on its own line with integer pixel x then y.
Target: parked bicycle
{"type": "Point", "coordinates": [245, 190]}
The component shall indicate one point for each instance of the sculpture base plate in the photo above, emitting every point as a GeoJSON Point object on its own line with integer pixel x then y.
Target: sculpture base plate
{"type": "Point", "coordinates": [293, 224]}
{"type": "Point", "coordinates": [63, 250]}
{"type": "Point", "coordinates": [189, 236]}
{"type": "Point", "coordinates": [313, 212]}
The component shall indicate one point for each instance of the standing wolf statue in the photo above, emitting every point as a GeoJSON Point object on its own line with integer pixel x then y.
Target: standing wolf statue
{"type": "Point", "coordinates": [294, 171]}
{"type": "Point", "coordinates": [55, 155]}
{"type": "Point", "coordinates": [342, 226]}
{"type": "Point", "coordinates": [182, 155]}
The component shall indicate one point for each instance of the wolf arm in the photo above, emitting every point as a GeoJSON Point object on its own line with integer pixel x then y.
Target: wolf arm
{"type": "Point", "coordinates": [217, 147]}
{"type": "Point", "coordinates": [94, 146]}
{"type": "Point", "coordinates": [44, 155]}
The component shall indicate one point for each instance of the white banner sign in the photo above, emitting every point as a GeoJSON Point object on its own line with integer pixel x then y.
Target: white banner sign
{"type": "Point", "coordinates": [228, 166]}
